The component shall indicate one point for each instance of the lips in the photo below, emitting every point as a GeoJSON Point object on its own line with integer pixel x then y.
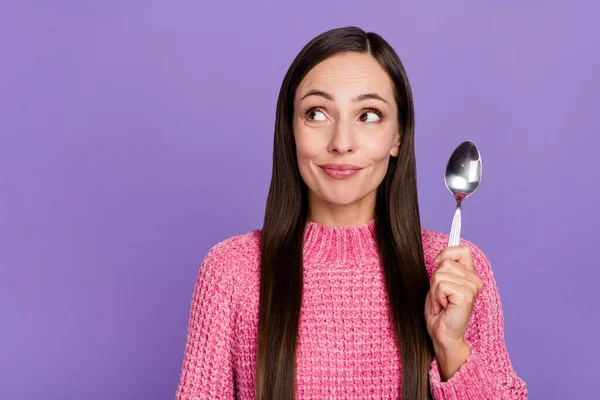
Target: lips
{"type": "Point", "coordinates": [340, 171]}
{"type": "Point", "coordinates": [340, 167]}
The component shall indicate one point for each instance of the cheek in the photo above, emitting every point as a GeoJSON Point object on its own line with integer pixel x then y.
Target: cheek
{"type": "Point", "coordinates": [308, 144]}
{"type": "Point", "coordinates": [378, 147]}
{"type": "Point", "coordinates": [306, 151]}
{"type": "Point", "coordinates": [377, 150]}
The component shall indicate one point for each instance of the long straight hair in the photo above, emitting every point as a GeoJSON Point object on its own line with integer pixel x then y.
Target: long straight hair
{"type": "Point", "coordinates": [397, 231]}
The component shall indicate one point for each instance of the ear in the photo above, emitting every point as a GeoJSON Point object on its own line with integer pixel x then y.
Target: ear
{"type": "Point", "coordinates": [395, 150]}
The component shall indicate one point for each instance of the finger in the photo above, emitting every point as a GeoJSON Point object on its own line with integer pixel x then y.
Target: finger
{"type": "Point", "coordinates": [436, 279]}
{"type": "Point", "coordinates": [434, 306]}
{"type": "Point", "coordinates": [460, 254]}
{"type": "Point", "coordinates": [466, 281]}
{"type": "Point", "coordinates": [442, 276]}
{"type": "Point", "coordinates": [429, 304]}
{"type": "Point", "coordinates": [454, 267]}
{"type": "Point", "coordinates": [452, 293]}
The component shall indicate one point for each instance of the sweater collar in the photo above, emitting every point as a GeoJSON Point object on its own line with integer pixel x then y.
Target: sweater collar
{"type": "Point", "coordinates": [340, 245]}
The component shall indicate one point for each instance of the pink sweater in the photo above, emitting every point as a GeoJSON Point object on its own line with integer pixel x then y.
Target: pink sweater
{"type": "Point", "coordinates": [346, 346]}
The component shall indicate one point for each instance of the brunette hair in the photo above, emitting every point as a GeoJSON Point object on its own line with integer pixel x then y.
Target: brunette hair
{"type": "Point", "coordinates": [397, 231]}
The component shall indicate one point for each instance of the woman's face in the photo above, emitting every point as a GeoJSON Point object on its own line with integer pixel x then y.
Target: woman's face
{"type": "Point", "coordinates": [345, 116]}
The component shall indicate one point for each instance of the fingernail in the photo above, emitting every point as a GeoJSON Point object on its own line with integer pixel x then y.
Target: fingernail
{"type": "Point", "coordinates": [437, 260]}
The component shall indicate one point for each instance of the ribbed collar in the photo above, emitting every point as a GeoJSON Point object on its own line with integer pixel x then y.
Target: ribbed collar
{"type": "Point", "coordinates": [340, 245]}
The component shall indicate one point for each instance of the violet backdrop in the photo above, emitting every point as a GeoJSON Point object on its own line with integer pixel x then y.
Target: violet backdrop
{"type": "Point", "coordinates": [134, 135]}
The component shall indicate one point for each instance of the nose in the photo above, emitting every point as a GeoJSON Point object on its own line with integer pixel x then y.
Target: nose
{"type": "Point", "coordinates": [342, 140]}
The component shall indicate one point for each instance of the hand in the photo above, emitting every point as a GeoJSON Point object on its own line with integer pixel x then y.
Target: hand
{"type": "Point", "coordinates": [449, 304]}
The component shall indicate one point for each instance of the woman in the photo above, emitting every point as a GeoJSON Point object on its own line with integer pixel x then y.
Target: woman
{"type": "Point", "coordinates": [342, 294]}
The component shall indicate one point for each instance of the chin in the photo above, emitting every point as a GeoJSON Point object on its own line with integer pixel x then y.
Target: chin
{"type": "Point", "coordinates": [342, 199]}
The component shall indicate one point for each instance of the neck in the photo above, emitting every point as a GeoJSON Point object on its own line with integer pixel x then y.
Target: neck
{"type": "Point", "coordinates": [344, 215]}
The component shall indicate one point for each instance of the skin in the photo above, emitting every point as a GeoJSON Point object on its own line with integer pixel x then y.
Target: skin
{"type": "Point", "coordinates": [343, 130]}
{"type": "Point", "coordinates": [454, 286]}
{"type": "Point", "coordinates": [334, 124]}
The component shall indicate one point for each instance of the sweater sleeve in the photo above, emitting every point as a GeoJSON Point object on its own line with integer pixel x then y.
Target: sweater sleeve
{"type": "Point", "coordinates": [207, 371]}
{"type": "Point", "coordinates": [488, 372]}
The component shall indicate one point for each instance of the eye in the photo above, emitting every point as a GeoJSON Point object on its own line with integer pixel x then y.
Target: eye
{"type": "Point", "coordinates": [314, 114]}
{"type": "Point", "coordinates": [371, 115]}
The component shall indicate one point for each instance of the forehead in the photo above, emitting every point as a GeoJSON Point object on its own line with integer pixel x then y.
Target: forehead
{"type": "Point", "coordinates": [348, 75]}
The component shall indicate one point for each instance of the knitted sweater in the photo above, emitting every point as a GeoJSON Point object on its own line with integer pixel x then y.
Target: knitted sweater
{"type": "Point", "coordinates": [346, 346]}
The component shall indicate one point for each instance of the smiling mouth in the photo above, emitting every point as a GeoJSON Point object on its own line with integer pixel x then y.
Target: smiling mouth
{"type": "Point", "coordinates": [340, 171]}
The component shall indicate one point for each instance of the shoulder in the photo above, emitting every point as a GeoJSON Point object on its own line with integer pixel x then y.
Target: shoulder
{"type": "Point", "coordinates": [243, 248]}
{"type": "Point", "coordinates": [233, 262]}
{"type": "Point", "coordinates": [434, 242]}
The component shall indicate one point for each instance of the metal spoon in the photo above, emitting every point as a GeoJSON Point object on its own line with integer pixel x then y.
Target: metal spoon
{"type": "Point", "coordinates": [463, 176]}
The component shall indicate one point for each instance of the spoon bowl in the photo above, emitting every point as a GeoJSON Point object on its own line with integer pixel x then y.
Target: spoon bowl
{"type": "Point", "coordinates": [462, 179]}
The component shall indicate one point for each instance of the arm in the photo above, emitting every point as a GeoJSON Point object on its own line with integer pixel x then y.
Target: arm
{"type": "Point", "coordinates": [207, 366]}
{"type": "Point", "coordinates": [487, 372]}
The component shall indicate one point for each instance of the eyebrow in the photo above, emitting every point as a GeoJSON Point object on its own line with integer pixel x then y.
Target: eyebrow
{"type": "Point", "coordinates": [366, 96]}
{"type": "Point", "coordinates": [360, 97]}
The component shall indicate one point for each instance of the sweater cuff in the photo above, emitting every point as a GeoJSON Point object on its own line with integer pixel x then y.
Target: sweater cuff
{"type": "Point", "coordinates": [471, 381]}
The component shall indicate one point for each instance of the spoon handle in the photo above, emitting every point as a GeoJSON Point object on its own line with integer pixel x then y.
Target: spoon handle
{"type": "Point", "coordinates": [455, 229]}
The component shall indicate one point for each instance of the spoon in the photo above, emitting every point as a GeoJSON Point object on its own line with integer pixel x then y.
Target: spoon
{"type": "Point", "coordinates": [463, 176]}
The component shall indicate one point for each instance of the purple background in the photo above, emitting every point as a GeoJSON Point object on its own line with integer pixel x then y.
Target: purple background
{"type": "Point", "coordinates": [136, 135]}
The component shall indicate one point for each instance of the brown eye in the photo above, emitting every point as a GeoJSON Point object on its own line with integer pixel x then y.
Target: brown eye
{"type": "Point", "coordinates": [370, 116]}
{"type": "Point", "coordinates": [315, 115]}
